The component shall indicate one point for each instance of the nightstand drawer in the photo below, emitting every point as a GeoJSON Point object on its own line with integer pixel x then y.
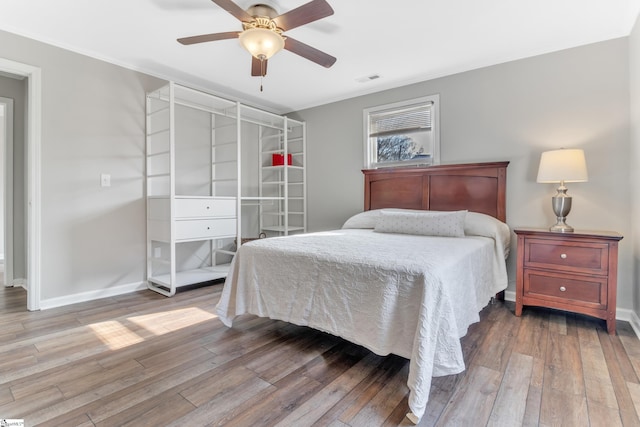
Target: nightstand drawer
{"type": "Point", "coordinates": [583, 257]}
{"type": "Point", "coordinates": [585, 291]}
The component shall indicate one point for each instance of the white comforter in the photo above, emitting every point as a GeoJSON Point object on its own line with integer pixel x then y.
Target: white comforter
{"type": "Point", "coordinates": [414, 296]}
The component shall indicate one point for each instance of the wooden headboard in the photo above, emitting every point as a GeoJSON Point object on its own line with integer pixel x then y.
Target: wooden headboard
{"type": "Point", "coordinates": [477, 187]}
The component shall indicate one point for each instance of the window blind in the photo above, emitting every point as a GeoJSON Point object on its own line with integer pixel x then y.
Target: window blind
{"type": "Point", "coordinates": [409, 119]}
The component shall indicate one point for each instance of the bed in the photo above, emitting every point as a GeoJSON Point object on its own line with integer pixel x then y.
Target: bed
{"type": "Point", "coordinates": [406, 276]}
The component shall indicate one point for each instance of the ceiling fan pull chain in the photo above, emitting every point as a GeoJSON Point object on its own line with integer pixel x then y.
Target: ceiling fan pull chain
{"type": "Point", "coordinates": [262, 73]}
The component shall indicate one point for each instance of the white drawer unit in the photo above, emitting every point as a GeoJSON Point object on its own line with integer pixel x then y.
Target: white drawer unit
{"type": "Point", "coordinates": [206, 222]}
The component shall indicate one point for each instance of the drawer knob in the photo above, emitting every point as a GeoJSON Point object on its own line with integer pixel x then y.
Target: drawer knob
{"type": "Point", "coordinates": [563, 256]}
{"type": "Point", "coordinates": [207, 207]}
{"type": "Point", "coordinates": [208, 228]}
{"type": "Point", "coordinates": [562, 289]}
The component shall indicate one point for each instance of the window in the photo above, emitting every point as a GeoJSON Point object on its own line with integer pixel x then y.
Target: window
{"type": "Point", "coordinates": [403, 133]}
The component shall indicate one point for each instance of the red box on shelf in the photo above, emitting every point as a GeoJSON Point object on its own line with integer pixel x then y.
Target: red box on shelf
{"type": "Point", "coordinates": [278, 159]}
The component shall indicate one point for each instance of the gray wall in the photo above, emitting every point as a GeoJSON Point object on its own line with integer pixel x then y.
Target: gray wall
{"type": "Point", "coordinates": [512, 111]}
{"type": "Point", "coordinates": [17, 90]}
{"type": "Point", "coordinates": [3, 117]}
{"type": "Point", "coordinates": [634, 84]}
{"type": "Point", "coordinates": [93, 238]}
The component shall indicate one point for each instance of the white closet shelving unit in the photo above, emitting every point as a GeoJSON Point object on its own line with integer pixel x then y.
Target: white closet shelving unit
{"type": "Point", "coordinates": [281, 198]}
{"type": "Point", "coordinates": [194, 156]}
{"type": "Point", "coordinates": [193, 187]}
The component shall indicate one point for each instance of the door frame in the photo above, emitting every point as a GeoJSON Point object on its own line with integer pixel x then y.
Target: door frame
{"type": "Point", "coordinates": [33, 164]}
{"type": "Point", "coordinates": [7, 191]}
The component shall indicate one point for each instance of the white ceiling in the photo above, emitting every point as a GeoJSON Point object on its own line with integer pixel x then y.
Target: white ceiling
{"type": "Point", "coordinates": [402, 41]}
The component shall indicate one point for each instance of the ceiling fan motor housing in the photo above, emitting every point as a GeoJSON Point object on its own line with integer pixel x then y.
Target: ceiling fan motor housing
{"type": "Point", "coordinates": [262, 10]}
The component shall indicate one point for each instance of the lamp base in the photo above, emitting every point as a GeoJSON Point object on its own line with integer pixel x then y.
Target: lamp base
{"type": "Point", "coordinates": [561, 204]}
{"type": "Point", "coordinates": [561, 227]}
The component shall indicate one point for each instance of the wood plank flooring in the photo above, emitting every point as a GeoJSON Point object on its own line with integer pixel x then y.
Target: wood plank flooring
{"type": "Point", "coordinates": [146, 360]}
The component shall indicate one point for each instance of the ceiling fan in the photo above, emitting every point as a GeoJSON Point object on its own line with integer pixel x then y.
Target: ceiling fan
{"type": "Point", "coordinates": [262, 32]}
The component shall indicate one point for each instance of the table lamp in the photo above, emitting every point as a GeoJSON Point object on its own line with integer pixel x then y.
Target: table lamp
{"type": "Point", "coordinates": [562, 166]}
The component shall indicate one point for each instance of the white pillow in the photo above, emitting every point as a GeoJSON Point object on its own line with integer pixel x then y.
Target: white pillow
{"type": "Point", "coordinates": [369, 219]}
{"type": "Point", "coordinates": [477, 224]}
{"type": "Point", "coordinates": [366, 219]}
{"type": "Point", "coordinates": [425, 223]}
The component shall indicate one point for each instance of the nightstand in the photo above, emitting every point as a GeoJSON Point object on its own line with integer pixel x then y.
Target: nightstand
{"type": "Point", "coordinates": [568, 271]}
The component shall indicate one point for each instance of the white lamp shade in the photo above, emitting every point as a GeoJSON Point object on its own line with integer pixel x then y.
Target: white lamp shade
{"type": "Point", "coordinates": [562, 165]}
{"type": "Point", "coordinates": [261, 42]}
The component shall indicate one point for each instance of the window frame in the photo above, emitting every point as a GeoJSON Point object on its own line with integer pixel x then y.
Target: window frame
{"type": "Point", "coordinates": [370, 149]}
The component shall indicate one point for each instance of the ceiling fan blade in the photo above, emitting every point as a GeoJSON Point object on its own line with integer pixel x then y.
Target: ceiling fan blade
{"type": "Point", "coordinates": [308, 52]}
{"type": "Point", "coordinates": [234, 9]}
{"type": "Point", "coordinates": [258, 68]}
{"type": "Point", "coordinates": [309, 12]}
{"type": "Point", "coordinates": [209, 37]}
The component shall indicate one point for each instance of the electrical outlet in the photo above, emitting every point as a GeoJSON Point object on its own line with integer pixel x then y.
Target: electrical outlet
{"type": "Point", "coordinates": [157, 252]}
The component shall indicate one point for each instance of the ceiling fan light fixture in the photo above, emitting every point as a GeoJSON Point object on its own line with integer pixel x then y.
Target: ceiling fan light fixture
{"type": "Point", "coordinates": [261, 43]}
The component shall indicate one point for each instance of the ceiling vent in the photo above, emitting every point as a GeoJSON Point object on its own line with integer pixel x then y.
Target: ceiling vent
{"type": "Point", "coordinates": [368, 78]}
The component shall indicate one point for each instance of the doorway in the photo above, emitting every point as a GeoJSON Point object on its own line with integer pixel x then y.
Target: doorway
{"type": "Point", "coordinates": [6, 188]}
{"type": "Point", "coordinates": [32, 174]}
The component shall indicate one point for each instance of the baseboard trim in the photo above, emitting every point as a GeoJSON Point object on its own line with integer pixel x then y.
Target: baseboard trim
{"type": "Point", "coordinates": [510, 296]}
{"type": "Point", "coordinates": [623, 314]}
{"type": "Point", "coordinates": [634, 321]}
{"type": "Point", "coordinates": [92, 295]}
{"type": "Point", "coordinates": [19, 283]}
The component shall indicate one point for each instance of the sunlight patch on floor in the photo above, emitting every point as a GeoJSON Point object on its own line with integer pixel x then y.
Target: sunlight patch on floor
{"type": "Point", "coordinates": [168, 321]}
{"type": "Point", "coordinates": [116, 335]}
